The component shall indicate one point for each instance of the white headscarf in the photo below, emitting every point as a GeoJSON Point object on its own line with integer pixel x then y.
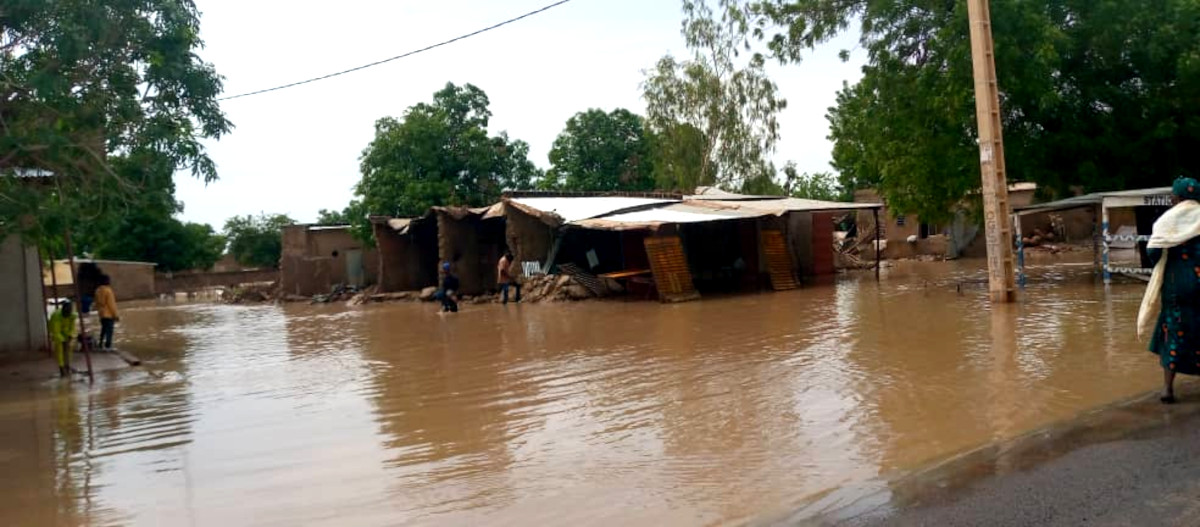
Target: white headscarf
{"type": "Point", "coordinates": [1178, 225]}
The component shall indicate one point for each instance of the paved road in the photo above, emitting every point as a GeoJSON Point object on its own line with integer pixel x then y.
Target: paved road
{"type": "Point", "coordinates": [1151, 477]}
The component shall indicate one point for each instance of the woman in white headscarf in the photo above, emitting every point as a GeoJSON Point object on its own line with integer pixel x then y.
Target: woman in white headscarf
{"type": "Point", "coordinates": [1170, 311]}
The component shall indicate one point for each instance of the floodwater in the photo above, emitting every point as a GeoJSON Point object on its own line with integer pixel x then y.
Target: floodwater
{"type": "Point", "coordinates": [721, 411]}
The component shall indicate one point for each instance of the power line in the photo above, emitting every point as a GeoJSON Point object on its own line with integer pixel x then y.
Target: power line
{"type": "Point", "coordinates": [397, 57]}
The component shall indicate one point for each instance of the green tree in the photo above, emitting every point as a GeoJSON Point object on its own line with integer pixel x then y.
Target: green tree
{"type": "Point", "coordinates": [820, 186]}
{"type": "Point", "coordinates": [257, 241]}
{"type": "Point", "coordinates": [1094, 94]}
{"type": "Point", "coordinates": [601, 151]}
{"type": "Point", "coordinates": [164, 240]}
{"type": "Point", "coordinates": [438, 154]}
{"type": "Point", "coordinates": [82, 80]}
{"type": "Point", "coordinates": [334, 217]}
{"type": "Point", "coordinates": [727, 97]}
{"type": "Point", "coordinates": [678, 154]}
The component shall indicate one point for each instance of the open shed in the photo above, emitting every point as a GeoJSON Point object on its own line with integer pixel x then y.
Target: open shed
{"type": "Point", "coordinates": [1136, 209]}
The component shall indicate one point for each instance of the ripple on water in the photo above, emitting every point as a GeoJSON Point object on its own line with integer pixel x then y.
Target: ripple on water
{"type": "Point", "coordinates": [602, 413]}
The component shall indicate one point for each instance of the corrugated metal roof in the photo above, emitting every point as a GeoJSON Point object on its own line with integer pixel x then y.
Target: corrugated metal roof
{"type": "Point", "coordinates": [779, 206]}
{"type": "Point", "coordinates": [581, 208]}
{"type": "Point", "coordinates": [670, 213]}
{"type": "Point", "coordinates": [1093, 199]}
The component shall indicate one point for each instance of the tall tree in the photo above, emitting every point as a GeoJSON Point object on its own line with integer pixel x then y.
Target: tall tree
{"type": "Point", "coordinates": [440, 153]}
{"type": "Point", "coordinates": [144, 227]}
{"type": "Point", "coordinates": [727, 97]}
{"type": "Point", "coordinates": [80, 80]}
{"type": "Point", "coordinates": [1094, 94]}
{"type": "Point", "coordinates": [601, 151]}
{"type": "Point", "coordinates": [679, 154]}
{"type": "Point", "coordinates": [257, 241]}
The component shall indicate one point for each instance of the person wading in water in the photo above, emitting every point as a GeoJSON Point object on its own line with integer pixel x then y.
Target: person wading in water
{"type": "Point", "coordinates": [505, 279]}
{"type": "Point", "coordinates": [448, 294]}
{"type": "Point", "coordinates": [1170, 311]}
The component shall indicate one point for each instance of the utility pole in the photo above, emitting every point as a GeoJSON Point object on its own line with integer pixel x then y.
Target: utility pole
{"type": "Point", "coordinates": [996, 223]}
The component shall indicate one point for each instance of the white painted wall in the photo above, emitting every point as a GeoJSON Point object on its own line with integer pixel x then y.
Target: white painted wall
{"type": "Point", "coordinates": [22, 312]}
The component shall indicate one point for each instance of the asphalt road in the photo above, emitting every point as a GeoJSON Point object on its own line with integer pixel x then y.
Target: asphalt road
{"type": "Point", "coordinates": [1136, 463]}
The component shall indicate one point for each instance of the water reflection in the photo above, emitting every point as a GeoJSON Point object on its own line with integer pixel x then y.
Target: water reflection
{"type": "Point", "coordinates": [600, 413]}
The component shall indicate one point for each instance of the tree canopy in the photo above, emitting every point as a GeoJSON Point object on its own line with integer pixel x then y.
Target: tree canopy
{"type": "Point", "coordinates": [718, 96]}
{"type": "Point", "coordinates": [601, 151]}
{"type": "Point", "coordinates": [257, 241]}
{"type": "Point", "coordinates": [439, 154]}
{"type": "Point", "coordinates": [1095, 95]}
{"type": "Point", "coordinates": [143, 227]}
{"type": "Point", "coordinates": [81, 81]}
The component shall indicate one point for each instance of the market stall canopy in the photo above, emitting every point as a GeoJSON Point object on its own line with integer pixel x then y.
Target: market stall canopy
{"type": "Point", "coordinates": [1159, 196]}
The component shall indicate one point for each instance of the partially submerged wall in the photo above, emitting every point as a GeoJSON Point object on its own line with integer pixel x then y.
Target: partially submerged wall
{"type": "Point", "coordinates": [799, 236]}
{"type": "Point", "coordinates": [407, 262]}
{"type": "Point", "coordinates": [316, 258]}
{"type": "Point", "coordinates": [473, 246]}
{"type": "Point", "coordinates": [528, 237]}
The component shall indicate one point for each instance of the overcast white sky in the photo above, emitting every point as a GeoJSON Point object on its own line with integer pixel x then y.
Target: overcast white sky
{"type": "Point", "coordinates": [296, 151]}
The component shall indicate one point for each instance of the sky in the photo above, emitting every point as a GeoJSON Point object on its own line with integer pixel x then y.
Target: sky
{"type": "Point", "coordinates": [296, 151]}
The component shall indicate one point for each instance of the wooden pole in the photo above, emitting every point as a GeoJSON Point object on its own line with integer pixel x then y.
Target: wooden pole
{"type": "Point", "coordinates": [54, 285]}
{"type": "Point", "coordinates": [878, 228]}
{"type": "Point", "coordinates": [1001, 272]}
{"type": "Point", "coordinates": [87, 349]}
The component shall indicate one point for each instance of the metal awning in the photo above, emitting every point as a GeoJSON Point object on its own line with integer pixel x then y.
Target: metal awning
{"type": "Point", "coordinates": [573, 209]}
{"type": "Point", "coordinates": [670, 213]}
{"type": "Point", "coordinates": [777, 206]}
{"type": "Point", "coordinates": [1123, 198]}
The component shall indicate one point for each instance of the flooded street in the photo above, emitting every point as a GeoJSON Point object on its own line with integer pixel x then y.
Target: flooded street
{"type": "Point", "coordinates": [605, 413]}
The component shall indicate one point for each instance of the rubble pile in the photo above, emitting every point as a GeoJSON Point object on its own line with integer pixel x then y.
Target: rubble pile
{"type": "Point", "coordinates": [251, 294]}
{"type": "Point", "coordinates": [562, 288]}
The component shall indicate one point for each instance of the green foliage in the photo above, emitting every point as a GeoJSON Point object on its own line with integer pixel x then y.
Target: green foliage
{"type": "Point", "coordinates": [257, 241]}
{"type": "Point", "coordinates": [333, 217]}
{"type": "Point", "coordinates": [1095, 94]}
{"type": "Point", "coordinates": [726, 97]}
{"type": "Point", "coordinates": [164, 240]}
{"type": "Point", "coordinates": [601, 151]}
{"type": "Point", "coordinates": [679, 160]}
{"type": "Point", "coordinates": [142, 227]}
{"type": "Point", "coordinates": [820, 186]}
{"type": "Point", "coordinates": [82, 80]}
{"type": "Point", "coordinates": [439, 154]}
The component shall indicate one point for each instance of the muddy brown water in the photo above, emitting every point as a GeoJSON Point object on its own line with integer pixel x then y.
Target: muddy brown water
{"type": "Point", "coordinates": [721, 411]}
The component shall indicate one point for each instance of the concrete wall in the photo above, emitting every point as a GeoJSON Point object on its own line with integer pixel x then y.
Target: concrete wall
{"type": "Point", "coordinates": [165, 283]}
{"type": "Point", "coordinates": [130, 280]}
{"type": "Point", "coordinates": [23, 312]}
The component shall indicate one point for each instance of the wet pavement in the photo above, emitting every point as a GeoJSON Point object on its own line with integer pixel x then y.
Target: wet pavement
{"type": "Point", "coordinates": [1128, 464]}
{"type": "Point", "coordinates": [726, 410]}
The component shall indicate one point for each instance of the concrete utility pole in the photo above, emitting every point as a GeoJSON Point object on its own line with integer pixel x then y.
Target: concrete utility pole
{"type": "Point", "coordinates": [1001, 270]}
